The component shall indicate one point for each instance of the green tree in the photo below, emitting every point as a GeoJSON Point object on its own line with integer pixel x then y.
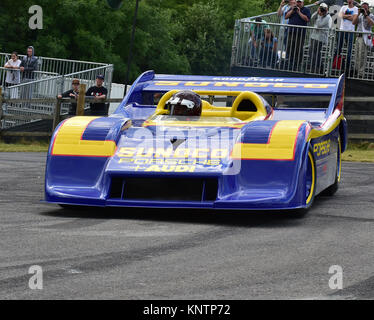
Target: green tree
{"type": "Point", "coordinates": [172, 36]}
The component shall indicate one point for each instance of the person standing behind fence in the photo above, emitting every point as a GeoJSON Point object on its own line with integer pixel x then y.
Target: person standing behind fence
{"type": "Point", "coordinates": [29, 64]}
{"type": "Point", "coordinates": [364, 42]}
{"type": "Point", "coordinates": [13, 73]}
{"type": "Point", "coordinates": [72, 93]}
{"type": "Point", "coordinates": [99, 92]}
{"type": "Point", "coordinates": [347, 13]}
{"type": "Point", "coordinates": [319, 37]}
{"type": "Point", "coordinates": [257, 31]}
{"type": "Point", "coordinates": [282, 10]}
{"type": "Point", "coordinates": [298, 16]}
{"type": "Point", "coordinates": [269, 52]}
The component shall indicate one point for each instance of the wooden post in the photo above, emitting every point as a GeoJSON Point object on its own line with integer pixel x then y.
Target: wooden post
{"type": "Point", "coordinates": [81, 98]}
{"type": "Point", "coordinates": [57, 114]}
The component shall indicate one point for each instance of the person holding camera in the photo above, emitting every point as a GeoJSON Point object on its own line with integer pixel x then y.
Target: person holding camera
{"type": "Point", "coordinates": [364, 41]}
{"type": "Point", "coordinates": [345, 35]}
{"type": "Point", "coordinates": [297, 16]}
{"type": "Point", "coordinates": [319, 36]}
{"type": "Point", "coordinates": [284, 6]}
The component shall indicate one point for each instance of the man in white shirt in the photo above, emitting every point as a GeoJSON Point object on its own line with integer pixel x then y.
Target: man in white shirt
{"type": "Point", "coordinates": [347, 14]}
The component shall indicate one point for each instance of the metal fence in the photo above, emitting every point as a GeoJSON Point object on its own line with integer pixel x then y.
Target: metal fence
{"type": "Point", "coordinates": [308, 50]}
{"type": "Point", "coordinates": [47, 88]}
{"type": "Point", "coordinates": [47, 66]}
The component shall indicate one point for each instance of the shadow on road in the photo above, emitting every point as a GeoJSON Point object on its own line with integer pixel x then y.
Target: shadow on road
{"type": "Point", "coordinates": [265, 219]}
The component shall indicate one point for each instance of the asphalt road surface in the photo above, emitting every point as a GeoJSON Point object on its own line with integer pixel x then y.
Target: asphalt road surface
{"type": "Point", "coordinates": [183, 254]}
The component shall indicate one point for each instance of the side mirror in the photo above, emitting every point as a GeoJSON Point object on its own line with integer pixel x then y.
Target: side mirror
{"type": "Point", "coordinates": [114, 4]}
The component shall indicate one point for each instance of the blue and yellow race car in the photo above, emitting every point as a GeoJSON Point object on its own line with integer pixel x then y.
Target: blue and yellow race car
{"type": "Point", "coordinates": [256, 143]}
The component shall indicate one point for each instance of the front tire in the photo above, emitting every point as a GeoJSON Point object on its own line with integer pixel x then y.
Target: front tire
{"type": "Point", "coordinates": [311, 179]}
{"type": "Point", "coordinates": [310, 185]}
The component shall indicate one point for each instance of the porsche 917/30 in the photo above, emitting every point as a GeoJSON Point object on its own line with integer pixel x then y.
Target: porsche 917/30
{"type": "Point", "coordinates": [255, 143]}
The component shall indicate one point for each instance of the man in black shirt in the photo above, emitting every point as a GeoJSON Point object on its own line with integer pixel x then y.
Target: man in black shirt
{"type": "Point", "coordinates": [72, 93]}
{"type": "Point", "coordinates": [100, 93]}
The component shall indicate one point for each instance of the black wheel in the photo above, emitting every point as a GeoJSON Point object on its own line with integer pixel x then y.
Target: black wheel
{"type": "Point", "coordinates": [331, 190]}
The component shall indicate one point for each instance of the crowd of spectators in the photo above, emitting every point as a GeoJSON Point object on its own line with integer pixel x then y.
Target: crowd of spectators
{"type": "Point", "coordinates": [287, 44]}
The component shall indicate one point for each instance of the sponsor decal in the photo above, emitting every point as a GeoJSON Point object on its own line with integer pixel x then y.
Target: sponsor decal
{"type": "Point", "coordinates": [169, 160]}
{"type": "Point", "coordinates": [322, 148]}
{"type": "Point", "coordinates": [229, 84]}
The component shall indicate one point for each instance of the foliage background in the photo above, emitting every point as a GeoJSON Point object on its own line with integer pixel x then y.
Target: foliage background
{"type": "Point", "coordinates": [172, 36]}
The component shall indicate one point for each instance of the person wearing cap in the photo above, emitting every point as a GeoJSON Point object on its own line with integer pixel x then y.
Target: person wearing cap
{"type": "Point", "coordinates": [72, 93]}
{"type": "Point", "coordinates": [319, 36]}
{"type": "Point", "coordinates": [256, 31]}
{"type": "Point", "coordinates": [298, 15]}
{"type": "Point", "coordinates": [364, 41]}
{"type": "Point", "coordinates": [99, 92]}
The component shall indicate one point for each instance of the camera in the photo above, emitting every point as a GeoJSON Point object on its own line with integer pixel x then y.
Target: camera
{"type": "Point", "coordinates": [295, 9]}
{"type": "Point", "coordinates": [323, 10]}
{"type": "Point", "coordinates": [364, 12]}
{"type": "Point", "coordinates": [286, 1]}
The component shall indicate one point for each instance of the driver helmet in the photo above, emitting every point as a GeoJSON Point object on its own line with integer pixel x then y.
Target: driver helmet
{"type": "Point", "coordinates": [185, 103]}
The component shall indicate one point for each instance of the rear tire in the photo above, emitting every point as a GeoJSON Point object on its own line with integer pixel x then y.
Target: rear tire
{"type": "Point", "coordinates": [331, 190]}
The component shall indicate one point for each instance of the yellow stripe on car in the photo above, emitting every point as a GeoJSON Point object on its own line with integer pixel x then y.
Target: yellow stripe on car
{"type": "Point", "coordinates": [281, 145]}
{"type": "Point", "coordinates": [68, 140]}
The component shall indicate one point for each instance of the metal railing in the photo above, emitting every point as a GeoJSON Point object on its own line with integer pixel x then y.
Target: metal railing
{"type": "Point", "coordinates": [44, 89]}
{"type": "Point", "coordinates": [83, 107]}
{"type": "Point", "coordinates": [52, 77]}
{"type": "Point", "coordinates": [307, 50]}
{"type": "Point", "coordinates": [53, 65]}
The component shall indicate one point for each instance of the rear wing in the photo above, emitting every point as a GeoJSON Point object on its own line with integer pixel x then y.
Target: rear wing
{"type": "Point", "coordinates": [151, 82]}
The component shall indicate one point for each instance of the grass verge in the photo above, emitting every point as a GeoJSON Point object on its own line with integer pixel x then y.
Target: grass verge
{"type": "Point", "coordinates": [359, 152]}
{"type": "Point", "coordinates": [23, 147]}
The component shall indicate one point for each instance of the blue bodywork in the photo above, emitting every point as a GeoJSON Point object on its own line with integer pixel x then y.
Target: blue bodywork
{"type": "Point", "coordinates": [133, 175]}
